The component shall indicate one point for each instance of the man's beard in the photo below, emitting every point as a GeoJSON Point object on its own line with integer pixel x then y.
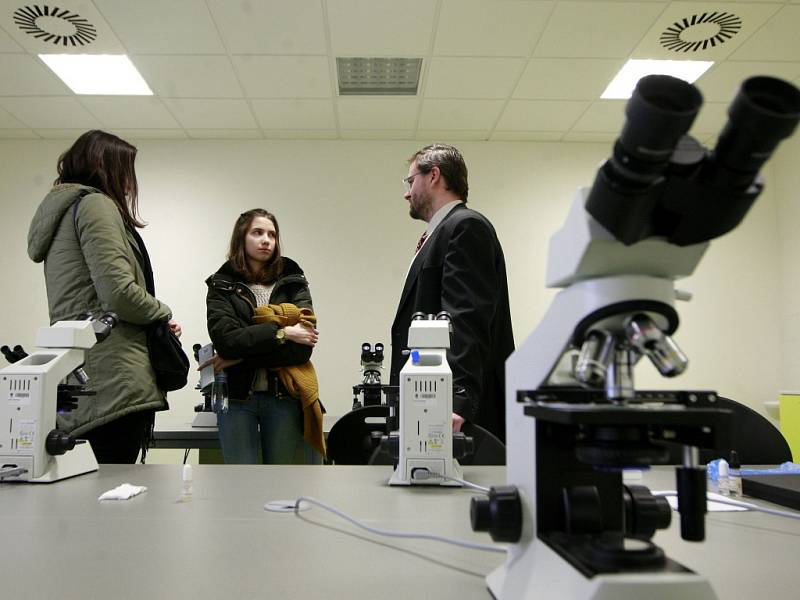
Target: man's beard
{"type": "Point", "coordinates": [417, 207]}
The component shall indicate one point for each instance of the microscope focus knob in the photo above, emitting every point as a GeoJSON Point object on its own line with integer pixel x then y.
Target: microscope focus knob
{"type": "Point", "coordinates": [644, 512]}
{"type": "Point", "coordinates": [58, 442]}
{"type": "Point", "coordinates": [500, 514]}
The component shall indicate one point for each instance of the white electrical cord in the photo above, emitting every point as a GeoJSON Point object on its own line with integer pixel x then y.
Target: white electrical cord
{"type": "Point", "coordinates": [295, 506]}
{"type": "Point", "coordinates": [747, 505]}
{"type": "Point", "coordinates": [423, 474]}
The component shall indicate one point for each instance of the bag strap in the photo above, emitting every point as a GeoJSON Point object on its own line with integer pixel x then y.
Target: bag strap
{"type": "Point", "coordinates": [145, 264]}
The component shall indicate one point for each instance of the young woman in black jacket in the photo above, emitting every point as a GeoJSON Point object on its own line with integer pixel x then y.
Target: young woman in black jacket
{"type": "Point", "coordinates": [261, 414]}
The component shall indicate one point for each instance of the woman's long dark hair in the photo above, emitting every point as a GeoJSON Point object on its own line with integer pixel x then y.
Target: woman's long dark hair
{"type": "Point", "coordinates": [104, 161]}
{"type": "Point", "coordinates": [270, 272]}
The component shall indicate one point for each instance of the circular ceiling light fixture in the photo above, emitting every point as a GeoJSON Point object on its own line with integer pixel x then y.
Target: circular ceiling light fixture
{"type": "Point", "coordinates": [59, 26]}
{"type": "Point", "coordinates": [701, 31]}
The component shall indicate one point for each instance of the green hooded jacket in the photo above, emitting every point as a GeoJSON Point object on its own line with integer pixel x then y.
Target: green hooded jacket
{"type": "Point", "coordinates": [97, 270]}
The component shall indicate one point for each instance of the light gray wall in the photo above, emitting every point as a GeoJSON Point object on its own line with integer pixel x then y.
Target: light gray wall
{"type": "Point", "coordinates": [787, 192]}
{"type": "Point", "coordinates": [343, 218]}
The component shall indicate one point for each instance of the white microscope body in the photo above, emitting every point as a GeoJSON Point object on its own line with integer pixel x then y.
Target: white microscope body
{"type": "Point", "coordinates": [426, 407]}
{"type": "Point", "coordinates": [592, 266]}
{"type": "Point", "coordinates": [574, 418]}
{"type": "Point", "coordinates": [28, 406]}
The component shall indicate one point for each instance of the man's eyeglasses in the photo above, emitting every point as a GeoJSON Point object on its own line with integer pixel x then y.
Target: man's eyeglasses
{"type": "Point", "coordinates": [409, 181]}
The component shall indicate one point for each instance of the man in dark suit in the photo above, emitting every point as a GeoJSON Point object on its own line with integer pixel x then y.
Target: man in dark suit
{"type": "Point", "coordinates": [458, 268]}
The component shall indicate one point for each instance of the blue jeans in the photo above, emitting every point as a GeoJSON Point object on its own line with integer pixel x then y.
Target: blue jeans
{"type": "Point", "coordinates": [273, 424]}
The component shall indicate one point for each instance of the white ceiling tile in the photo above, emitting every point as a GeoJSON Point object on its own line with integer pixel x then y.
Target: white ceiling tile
{"type": "Point", "coordinates": [603, 116]}
{"type": "Point", "coordinates": [465, 115]}
{"type": "Point", "coordinates": [211, 113]}
{"type": "Point", "coordinates": [144, 112]}
{"type": "Point", "coordinates": [66, 38]}
{"type": "Point", "coordinates": [7, 43]}
{"type": "Point", "coordinates": [596, 29]}
{"type": "Point", "coordinates": [60, 134]}
{"type": "Point", "coordinates": [294, 114]}
{"type": "Point", "coordinates": [301, 134]}
{"type": "Point", "coordinates": [472, 77]}
{"type": "Point", "coordinates": [526, 136]}
{"type": "Point", "coordinates": [381, 27]}
{"type": "Point", "coordinates": [541, 115]}
{"type": "Point", "coordinates": [377, 134]}
{"type": "Point", "coordinates": [150, 134]}
{"type": "Point", "coordinates": [777, 40]}
{"type": "Point", "coordinates": [18, 134]}
{"type": "Point", "coordinates": [566, 78]}
{"type": "Point", "coordinates": [480, 28]}
{"type": "Point", "coordinates": [225, 134]}
{"type": "Point", "coordinates": [189, 76]}
{"type": "Point", "coordinates": [378, 113]}
{"type": "Point", "coordinates": [284, 76]}
{"type": "Point", "coordinates": [270, 26]}
{"type": "Point", "coordinates": [155, 26]}
{"type": "Point", "coordinates": [49, 112]}
{"type": "Point", "coordinates": [591, 136]}
{"type": "Point", "coordinates": [710, 120]}
{"type": "Point", "coordinates": [26, 75]}
{"type": "Point", "coordinates": [721, 83]}
{"type": "Point", "coordinates": [681, 22]}
{"type": "Point", "coordinates": [452, 135]}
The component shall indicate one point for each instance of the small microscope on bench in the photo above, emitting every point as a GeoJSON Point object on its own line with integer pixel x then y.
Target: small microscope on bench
{"type": "Point", "coordinates": [575, 419]}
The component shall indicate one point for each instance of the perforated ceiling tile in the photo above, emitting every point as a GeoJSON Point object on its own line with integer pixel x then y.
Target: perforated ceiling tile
{"type": "Point", "coordinates": [378, 76]}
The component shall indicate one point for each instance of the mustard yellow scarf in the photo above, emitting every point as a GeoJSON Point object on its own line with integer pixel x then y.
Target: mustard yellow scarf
{"type": "Point", "coordinates": [300, 380]}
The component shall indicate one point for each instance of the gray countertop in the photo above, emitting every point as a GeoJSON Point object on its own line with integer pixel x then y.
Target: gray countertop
{"type": "Point", "coordinates": [60, 542]}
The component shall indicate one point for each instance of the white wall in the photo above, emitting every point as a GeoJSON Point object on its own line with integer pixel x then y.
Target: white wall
{"type": "Point", "coordinates": [343, 218]}
{"type": "Point", "coordinates": [787, 192]}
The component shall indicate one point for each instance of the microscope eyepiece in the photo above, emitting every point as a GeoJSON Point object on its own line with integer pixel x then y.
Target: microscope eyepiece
{"type": "Point", "coordinates": [103, 325]}
{"type": "Point", "coordinates": [660, 111]}
{"type": "Point", "coordinates": [764, 112]}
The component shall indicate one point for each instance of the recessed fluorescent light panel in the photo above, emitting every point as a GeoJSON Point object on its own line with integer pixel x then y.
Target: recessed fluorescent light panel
{"type": "Point", "coordinates": [99, 74]}
{"type": "Point", "coordinates": [622, 85]}
{"type": "Point", "coordinates": [378, 76]}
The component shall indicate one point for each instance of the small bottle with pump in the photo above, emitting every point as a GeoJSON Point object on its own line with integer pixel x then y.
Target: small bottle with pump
{"type": "Point", "coordinates": [186, 483]}
{"type": "Point", "coordinates": [723, 485]}
{"type": "Point", "coordinates": [735, 475]}
{"type": "Point", "coordinates": [219, 393]}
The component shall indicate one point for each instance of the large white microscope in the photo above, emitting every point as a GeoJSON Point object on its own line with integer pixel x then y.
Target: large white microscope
{"type": "Point", "coordinates": [574, 418]}
{"type": "Point", "coordinates": [425, 411]}
{"type": "Point", "coordinates": [32, 392]}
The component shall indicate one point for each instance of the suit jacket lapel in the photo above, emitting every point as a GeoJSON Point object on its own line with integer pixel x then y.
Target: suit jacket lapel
{"type": "Point", "coordinates": [419, 260]}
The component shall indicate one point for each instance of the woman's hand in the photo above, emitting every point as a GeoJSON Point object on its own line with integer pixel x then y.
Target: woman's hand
{"type": "Point", "coordinates": [220, 364]}
{"type": "Point", "coordinates": [174, 327]}
{"type": "Point", "coordinates": [302, 334]}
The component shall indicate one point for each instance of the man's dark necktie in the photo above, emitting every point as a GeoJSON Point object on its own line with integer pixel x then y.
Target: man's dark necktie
{"type": "Point", "coordinates": [421, 241]}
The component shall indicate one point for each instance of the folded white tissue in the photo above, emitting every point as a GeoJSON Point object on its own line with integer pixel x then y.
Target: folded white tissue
{"type": "Point", "coordinates": [123, 492]}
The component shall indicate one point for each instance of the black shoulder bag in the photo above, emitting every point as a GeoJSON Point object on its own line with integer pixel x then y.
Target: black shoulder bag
{"type": "Point", "coordinates": [169, 361]}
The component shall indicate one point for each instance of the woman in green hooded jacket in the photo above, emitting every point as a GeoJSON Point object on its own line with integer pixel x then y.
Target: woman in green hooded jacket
{"type": "Point", "coordinates": [85, 232]}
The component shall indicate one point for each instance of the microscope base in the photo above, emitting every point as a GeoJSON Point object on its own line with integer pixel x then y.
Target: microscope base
{"type": "Point", "coordinates": [404, 477]}
{"type": "Point", "coordinates": [539, 573]}
{"type": "Point", "coordinates": [77, 461]}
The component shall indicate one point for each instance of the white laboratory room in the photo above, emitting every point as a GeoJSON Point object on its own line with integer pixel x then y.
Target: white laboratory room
{"type": "Point", "coordinates": [453, 299]}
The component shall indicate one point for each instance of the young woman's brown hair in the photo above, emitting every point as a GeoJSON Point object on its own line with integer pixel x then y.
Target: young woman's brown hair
{"type": "Point", "coordinates": [270, 272]}
{"type": "Point", "coordinates": [104, 161]}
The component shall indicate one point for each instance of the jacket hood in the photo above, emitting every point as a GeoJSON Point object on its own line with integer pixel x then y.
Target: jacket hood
{"type": "Point", "coordinates": [289, 268]}
{"type": "Point", "coordinates": [48, 217]}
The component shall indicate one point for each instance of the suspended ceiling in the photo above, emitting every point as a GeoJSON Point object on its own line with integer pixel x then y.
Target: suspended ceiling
{"type": "Point", "coordinates": [266, 69]}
